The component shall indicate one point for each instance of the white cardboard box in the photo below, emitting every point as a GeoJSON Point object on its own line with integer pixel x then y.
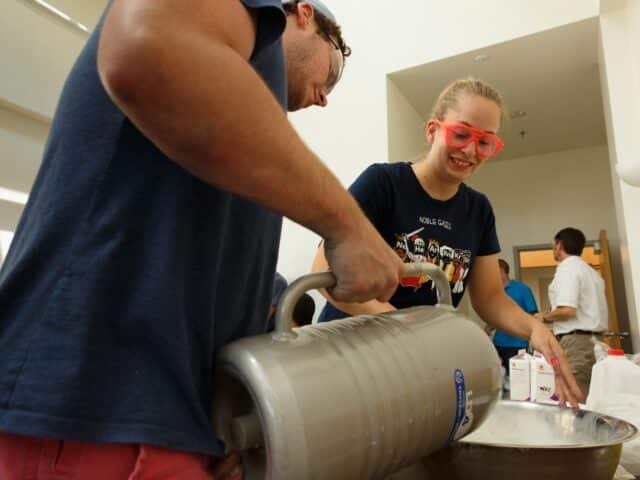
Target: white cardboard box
{"type": "Point", "coordinates": [543, 380]}
{"type": "Point", "coordinates": [520, 376]}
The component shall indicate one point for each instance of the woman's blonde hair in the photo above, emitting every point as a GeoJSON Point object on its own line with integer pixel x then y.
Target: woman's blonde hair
{"type": "Point", "coordinates": [470, 85]}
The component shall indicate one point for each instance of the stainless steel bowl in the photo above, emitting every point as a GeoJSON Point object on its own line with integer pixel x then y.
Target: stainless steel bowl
{"type": "Point", "coordinates": [522, 441]}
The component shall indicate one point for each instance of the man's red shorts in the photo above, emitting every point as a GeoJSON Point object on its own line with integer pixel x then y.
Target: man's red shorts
{"type": "Point", "coordinates": [31, 458]}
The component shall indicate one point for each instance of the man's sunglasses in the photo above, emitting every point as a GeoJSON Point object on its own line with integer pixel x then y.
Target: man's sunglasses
{"type": "Point", "coordinates": [336, 65]}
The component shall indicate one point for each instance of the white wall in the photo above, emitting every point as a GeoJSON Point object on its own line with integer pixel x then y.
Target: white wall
{"type": "Point", "coordinates": [534, 197]}
{"type": "Point", "coordinates": [404, 122]}
{"type": "Point", "coordinates": [21, 142]}
{"type": "Point", "coordinates": [5, 241]}
{"type": "Point", "coordinates": [620, 71]}
{"type": "Point", "coordinates": [38, 49]}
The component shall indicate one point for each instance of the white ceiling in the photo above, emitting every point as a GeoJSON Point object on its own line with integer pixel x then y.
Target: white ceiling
{"type": "Point", "coordinates": [86, 12]}
{"type": "Point", "coordinates": [552, 75]}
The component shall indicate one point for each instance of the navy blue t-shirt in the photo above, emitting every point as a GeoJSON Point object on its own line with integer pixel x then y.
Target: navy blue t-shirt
{"type": "Point", "coordinates": [450, 233]}
{"type": "Point", "coordinates": [127, 274]}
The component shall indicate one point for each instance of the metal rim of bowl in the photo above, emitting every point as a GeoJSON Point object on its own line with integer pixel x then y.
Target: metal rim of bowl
{"type": "Point", "coordinates": [533, 406]}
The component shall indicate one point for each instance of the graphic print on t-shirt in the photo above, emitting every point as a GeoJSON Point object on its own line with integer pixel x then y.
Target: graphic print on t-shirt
{"type": "Point", "coordinates": [454, 262]}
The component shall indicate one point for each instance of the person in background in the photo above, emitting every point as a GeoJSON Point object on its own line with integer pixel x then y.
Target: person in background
{"type": "Point", "coordinates": [169, 153]}
{"type": "Point", "coordinates": [304, 310]}
{"type": "Point", "coordinates": [426, 213]}
{"type": "Point", "coordinates": [578, 304]}
{"type": "Point", "coordinates": [507, 345]}
{"type": "Point", "coordinates": [279, 286]}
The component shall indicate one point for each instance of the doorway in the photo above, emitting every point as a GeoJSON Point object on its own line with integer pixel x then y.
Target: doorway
{"type": "Point", "coordinates": [535, 266]}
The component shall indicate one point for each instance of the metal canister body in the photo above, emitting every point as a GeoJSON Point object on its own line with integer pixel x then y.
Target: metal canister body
{"type": "Point", "coordinates": [357, 398]}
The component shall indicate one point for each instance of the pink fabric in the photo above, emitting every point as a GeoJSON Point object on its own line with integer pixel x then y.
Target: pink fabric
{"type": "Point", "coordinates": [32, 458]}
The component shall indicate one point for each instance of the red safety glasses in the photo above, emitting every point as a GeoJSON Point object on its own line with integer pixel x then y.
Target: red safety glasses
{"type": "Point", "coordinates": [459, 135]}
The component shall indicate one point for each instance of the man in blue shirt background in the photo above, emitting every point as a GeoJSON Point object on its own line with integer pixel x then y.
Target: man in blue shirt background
{"type": "Point", "coordinates": [508, 345]}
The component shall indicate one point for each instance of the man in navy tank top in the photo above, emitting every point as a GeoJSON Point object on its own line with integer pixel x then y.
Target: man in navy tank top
{"type": "Point", "coordinates": [169, 152]}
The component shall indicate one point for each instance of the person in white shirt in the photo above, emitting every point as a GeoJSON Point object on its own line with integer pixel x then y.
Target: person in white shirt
{"type": "Point", "coordinates": [578, 302]}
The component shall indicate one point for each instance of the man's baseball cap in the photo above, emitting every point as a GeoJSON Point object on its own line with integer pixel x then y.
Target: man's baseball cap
{"type": "Point", "coordinates": [320, 7]}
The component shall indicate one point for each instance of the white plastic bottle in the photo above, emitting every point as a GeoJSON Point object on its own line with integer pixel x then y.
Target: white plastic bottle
{"type": "Point", "coordinates": [615, 391]}
{"type": "Point", "coordinates": [615, 375]}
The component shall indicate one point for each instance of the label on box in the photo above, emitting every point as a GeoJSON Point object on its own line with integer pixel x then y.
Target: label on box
{"type": "Point", "coordinates": [543, 380]}
{"type": "Point", "coordinates": [520, 377]}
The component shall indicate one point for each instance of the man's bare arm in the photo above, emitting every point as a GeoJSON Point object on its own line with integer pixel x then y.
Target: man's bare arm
{"type": "Point", "coordinates": [179, 70]}
{"type": "Point", "coordinates": [558, 314]}
{"type": "Point", "coordinates": [364, 308]}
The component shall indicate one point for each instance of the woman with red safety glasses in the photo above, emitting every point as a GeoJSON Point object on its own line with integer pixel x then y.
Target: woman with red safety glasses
{"type": "Point", "coordinates": [427, 213]}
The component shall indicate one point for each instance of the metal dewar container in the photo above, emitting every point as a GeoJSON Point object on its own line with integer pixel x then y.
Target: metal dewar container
{"type": "Point", "coordinates": [357, 398]}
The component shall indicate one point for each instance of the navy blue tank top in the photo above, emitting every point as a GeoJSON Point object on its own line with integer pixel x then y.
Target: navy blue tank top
{"type": "Point", "coordinates": [127, 274]}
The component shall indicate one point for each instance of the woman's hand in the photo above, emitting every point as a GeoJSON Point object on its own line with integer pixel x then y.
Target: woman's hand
{"type": "Point", "coordinates": [543, 340]}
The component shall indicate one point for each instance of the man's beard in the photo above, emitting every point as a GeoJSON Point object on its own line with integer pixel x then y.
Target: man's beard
{"type": "Point", "coordinates": [294, 100]}
{"type": "Point", "coordinates": [297, 59]}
